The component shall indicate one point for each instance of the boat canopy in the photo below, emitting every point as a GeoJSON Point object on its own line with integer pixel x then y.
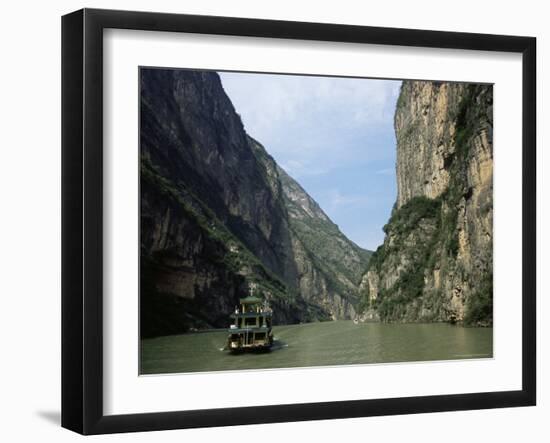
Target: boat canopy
{"type": "Point", "coordinates": [250, 300]}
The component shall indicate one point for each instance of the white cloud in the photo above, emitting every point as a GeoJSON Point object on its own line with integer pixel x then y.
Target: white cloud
{"type": "Point", "coordinates": [336, 199]}
{"type": "Point", "coordinates": [294, 164]}
{"type": "Point", "coordinates": [275, 108]}
{"type": "Point", "coordinates": [298, 169]}
{"type": "Point", "coordinates": [386, 171]}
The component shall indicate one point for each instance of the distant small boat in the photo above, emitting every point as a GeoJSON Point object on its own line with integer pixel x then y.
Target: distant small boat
{"type": "Point", "coordinates": [251, 327]}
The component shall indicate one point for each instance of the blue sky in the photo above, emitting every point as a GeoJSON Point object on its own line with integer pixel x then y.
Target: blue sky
{"type": "Point", "coordinates": [333, 135]}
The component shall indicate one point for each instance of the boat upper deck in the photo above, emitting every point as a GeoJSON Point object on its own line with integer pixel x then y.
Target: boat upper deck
{"type": "Point", "coordinates": [251, 314]}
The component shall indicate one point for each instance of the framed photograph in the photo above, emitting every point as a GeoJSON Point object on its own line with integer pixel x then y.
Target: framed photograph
{"type": "Point", "coordinates": [269, 221]}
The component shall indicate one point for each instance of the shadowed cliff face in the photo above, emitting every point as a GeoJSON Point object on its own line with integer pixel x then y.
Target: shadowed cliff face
{"type": "Point", "coordinates": [217, 215]}
{"type": "Point", "coordinates": [436, 260]}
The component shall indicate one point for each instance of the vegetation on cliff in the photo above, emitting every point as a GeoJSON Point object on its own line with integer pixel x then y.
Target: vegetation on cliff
{"type": "Point", "coordinates": [436, 260]}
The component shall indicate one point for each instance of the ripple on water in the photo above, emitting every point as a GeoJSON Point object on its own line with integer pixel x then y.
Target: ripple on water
{"type": "Point", "coordinates": [319, 344]}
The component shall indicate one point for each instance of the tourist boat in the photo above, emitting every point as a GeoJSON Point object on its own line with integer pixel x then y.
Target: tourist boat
{"type": "Point", "coordinates": [251, 326]}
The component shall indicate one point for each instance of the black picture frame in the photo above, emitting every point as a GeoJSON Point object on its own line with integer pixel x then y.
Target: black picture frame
{"type": "Point", "coordinates": [82, 215]}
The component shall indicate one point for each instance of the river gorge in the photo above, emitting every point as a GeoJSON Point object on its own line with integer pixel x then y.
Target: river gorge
{"type": "Point", "coordinates": [220, 218]}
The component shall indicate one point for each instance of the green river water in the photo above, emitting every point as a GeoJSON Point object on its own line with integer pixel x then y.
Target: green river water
{"type": "Point", "coordinates": [319, 344]}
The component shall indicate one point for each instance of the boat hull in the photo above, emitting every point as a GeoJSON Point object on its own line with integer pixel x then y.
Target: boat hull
{"type": "Point", "coordinates": [249, 339]}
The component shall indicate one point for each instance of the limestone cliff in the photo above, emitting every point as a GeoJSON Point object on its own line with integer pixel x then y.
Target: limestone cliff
{"type": "Point", "coordinates": [329, 265]}
{"type": "Point", "coordinates": [436, 260]}
{"type": "Point", "coordinates": [218, 215]}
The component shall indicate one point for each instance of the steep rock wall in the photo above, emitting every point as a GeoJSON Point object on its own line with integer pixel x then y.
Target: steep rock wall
{"type": "Point", "coordinates": [436, 260]}
{"type": "Point", "coordinates": [216, 217]}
